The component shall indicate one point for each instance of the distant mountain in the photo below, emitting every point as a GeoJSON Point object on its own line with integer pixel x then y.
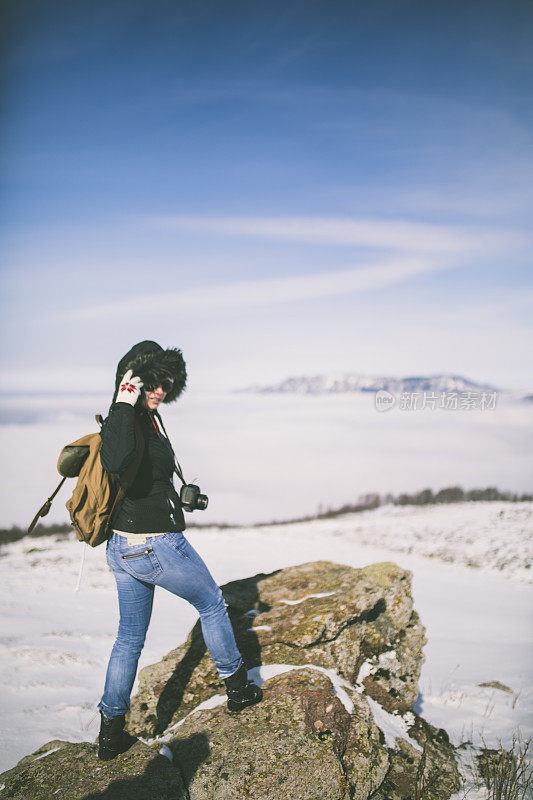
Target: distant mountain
{"type": "Point", "coordinates": [353, 382]}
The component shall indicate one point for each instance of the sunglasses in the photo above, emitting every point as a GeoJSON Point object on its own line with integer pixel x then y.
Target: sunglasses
{"type": "Point", "coordinates": [166, 385]}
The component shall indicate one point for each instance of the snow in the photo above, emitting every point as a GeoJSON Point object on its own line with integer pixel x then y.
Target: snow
{"type": "Point", "coordinates": [393, 725]}
{"type": "Point", "coordinates": [307, 596]}
{"type": "Point", "coordinates": [48, 752]}
{"type": "Point", "coordinates": [211, 702]}
{"type": "Point", "coordinates": [472, 787]}
{"type": "Point", "coordinates": [492, 536]}
{"type": "Point", "coordinates": [167, 752]}
{"type": "Point", "coordinates": [55, 642]}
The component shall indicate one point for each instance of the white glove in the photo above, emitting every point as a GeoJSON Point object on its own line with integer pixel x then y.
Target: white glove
{"type": "Point", "coordinates": [129, 389]}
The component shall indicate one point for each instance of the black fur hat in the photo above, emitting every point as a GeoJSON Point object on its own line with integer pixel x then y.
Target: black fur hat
{"type": "Point", "coordinates": [153, 365]}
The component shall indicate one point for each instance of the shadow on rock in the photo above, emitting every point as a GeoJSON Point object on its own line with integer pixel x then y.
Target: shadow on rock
{"type": "Point", "coordinates": [192, 753]}
{"type": "Point", "coordinates": [173, 691]}
{"type": "Point", "coordinates": [241, 596]}
{"type": "Point", "coordinates": [72, 771]}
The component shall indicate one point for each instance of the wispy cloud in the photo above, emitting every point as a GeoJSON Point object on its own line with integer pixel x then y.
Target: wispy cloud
{"type": "Point", "coordinates": [384, 234]}
{"type": "Point", "coordinates": [413, 248]}
{"type": "Point", "coordinates": [272, 291]}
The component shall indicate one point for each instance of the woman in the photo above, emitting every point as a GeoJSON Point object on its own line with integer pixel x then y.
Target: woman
{"type": "Point", "coordinates": [147, 547]}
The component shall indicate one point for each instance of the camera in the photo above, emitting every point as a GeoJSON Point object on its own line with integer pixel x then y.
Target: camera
{"type": "Point", "coordinates": [192, 499]}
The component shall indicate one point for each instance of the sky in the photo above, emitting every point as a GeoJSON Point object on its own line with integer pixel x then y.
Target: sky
{"type": "Point", "coordinates": [278, 189]}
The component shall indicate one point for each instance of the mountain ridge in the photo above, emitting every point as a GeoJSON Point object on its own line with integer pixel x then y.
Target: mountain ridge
{"type": "Point", "coordinates": [359, 382]}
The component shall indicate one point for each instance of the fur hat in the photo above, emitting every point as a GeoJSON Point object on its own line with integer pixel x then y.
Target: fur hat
{"type": "Point", "coordinates": [154, 365]}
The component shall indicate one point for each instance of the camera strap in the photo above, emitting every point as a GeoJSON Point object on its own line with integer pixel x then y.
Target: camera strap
{"type": "Point", "coordinates": [177, 467]}
{"type": "Point", "coordinates": [179, 473]}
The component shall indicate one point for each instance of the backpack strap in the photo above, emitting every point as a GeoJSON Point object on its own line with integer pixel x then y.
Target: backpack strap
{"type": "Point", "coordinates": [45, 508]}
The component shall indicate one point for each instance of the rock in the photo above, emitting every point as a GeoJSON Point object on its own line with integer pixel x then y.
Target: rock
{"type": "Point", "coordinates": [299, 742]}
{"type": "Point", "coordinates": [68, 771]}
{"type": "Point", "coordinates": [427, 773]}
{"type": "Point", "coordinates": [361, 615]}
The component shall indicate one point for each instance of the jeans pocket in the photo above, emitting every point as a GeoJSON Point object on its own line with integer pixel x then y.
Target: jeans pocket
{"type": "Point", "coordinates": [143, 564]}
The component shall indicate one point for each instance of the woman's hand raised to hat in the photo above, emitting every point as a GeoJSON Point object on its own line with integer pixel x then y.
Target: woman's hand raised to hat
{"type": "Point", "coordinates": [129, 388]}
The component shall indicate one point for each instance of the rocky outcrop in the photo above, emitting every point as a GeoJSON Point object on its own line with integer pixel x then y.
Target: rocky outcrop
{"type": "Point", "coordinates": [340, 651]}
{"type": "Point", "coordinates": [69, 771]}
{"type": "Point", "coordinates": [301, 742]}
{"type": "Point", "coordinates": [320, 613]}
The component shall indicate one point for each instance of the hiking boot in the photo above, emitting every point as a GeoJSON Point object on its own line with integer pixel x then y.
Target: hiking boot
{"type": "Point", "coordinates": [112, 740]}
{"type": "Point", "coordinates": [241, 692]}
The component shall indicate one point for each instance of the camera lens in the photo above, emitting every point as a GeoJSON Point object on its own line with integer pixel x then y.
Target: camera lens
{"type": "Point", "coordinates": [201, 502]}
{"type": "Point", "coordinates": [191, 499]}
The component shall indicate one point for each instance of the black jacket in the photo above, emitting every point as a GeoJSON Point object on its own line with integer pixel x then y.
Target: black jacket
{"type": "Point", "coordinates": [151, 504]}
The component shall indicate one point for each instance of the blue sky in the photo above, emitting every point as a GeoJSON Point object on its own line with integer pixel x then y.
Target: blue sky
{"type": "Point", "coordinates": [282, 188]}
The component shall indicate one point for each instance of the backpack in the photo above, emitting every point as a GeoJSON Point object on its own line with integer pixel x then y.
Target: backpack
{"type": "Point", "coordinates": [97, 493]}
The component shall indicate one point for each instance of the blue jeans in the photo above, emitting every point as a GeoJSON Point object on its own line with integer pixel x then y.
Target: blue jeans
{"type": "Point", "coordinates": [171, 562]}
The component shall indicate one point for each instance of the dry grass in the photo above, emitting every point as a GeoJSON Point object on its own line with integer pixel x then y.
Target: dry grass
{"type": "Point", "coordinates": [507, 773]}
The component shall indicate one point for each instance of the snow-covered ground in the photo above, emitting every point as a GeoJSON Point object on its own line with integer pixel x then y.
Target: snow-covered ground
{"type": "Point", "coordinates": [492, 536]}
{"type": "Point", "coordinates": [55, 642]}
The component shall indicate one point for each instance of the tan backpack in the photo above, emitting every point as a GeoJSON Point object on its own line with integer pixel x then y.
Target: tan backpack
{"type": "Point", "coordinates": [97, 493]}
